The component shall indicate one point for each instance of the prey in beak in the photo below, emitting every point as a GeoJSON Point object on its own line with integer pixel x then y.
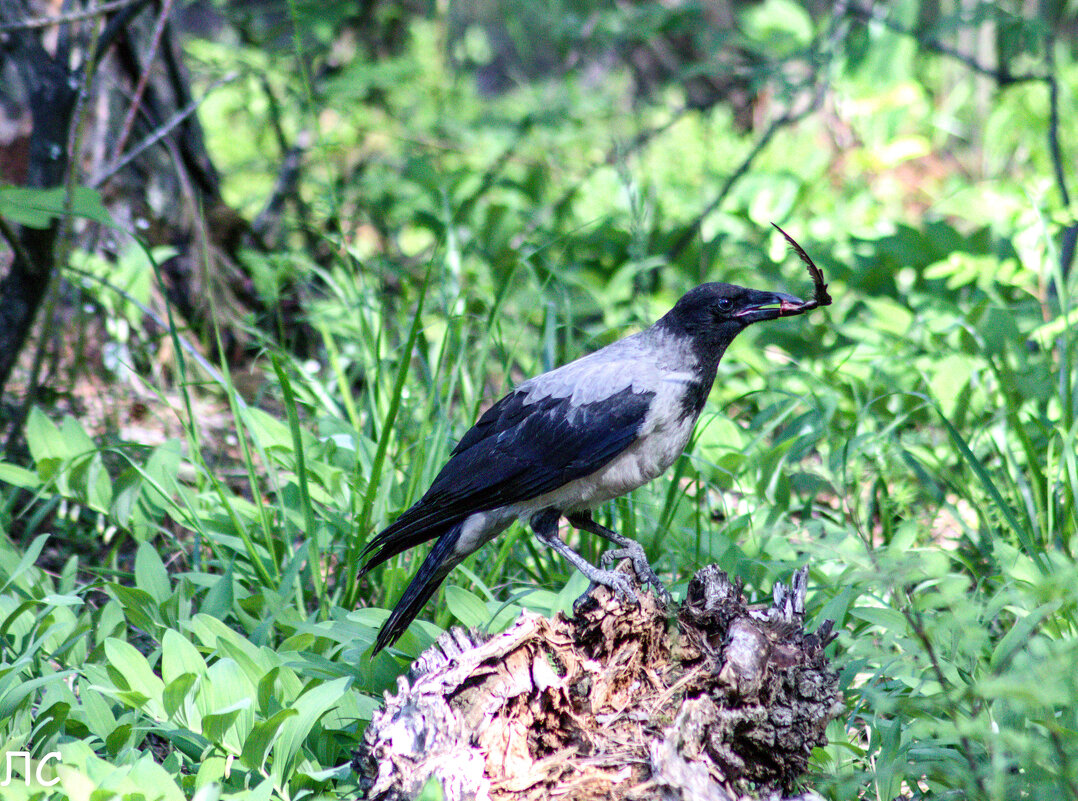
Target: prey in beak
{"type": "Point", "coordinates": [770, 306]}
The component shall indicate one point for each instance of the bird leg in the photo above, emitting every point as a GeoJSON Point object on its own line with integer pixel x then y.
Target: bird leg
{"type": "Point", "coordinates": [627, 549]}
{"type": "Point", "coordinates": [545, 526]}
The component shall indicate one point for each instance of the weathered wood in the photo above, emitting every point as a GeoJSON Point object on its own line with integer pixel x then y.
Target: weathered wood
{"type": "Point", "coordinates": [614, 703]}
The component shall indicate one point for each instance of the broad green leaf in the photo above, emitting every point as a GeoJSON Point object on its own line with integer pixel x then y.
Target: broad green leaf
{"type": "Point", "coordinates": [139, 606]}
{"type": "Point", "coordinates": [217, 724]}
{"type": "Point", "coordinates": [47, 445]}
{"type": "Point", "coordinates": [211, 632]}
{"type": "Point", "coordinates": [76, 440]}
{"type": "Point", "coordinates": [268, 430]}
{"type": "Point", "coordinates": [176, 692]}
{"type": "Point", "coordinates": [466, 607]}
{"type": "Point", "coordinates": [225, 692]}
{"type": "Point", "coordinates": [179, 656]}
{"type": "Point", "coordinates": [12, 699]}
{"type": "Point", "coordinates": [884, 617]}
{"type": "Point", "coordinates": [27, 561]}
{"type": "Point", "coordinates": [37, 208]}
{"type": "Point", "coordinates": [1020, 633]}
{"type": "Point", "coordinates": [218, 600]}
{"type": "Point", "coordinates": [90, 482]}
{"type": "Point", "coordinates": [311, 706]}
{"type": "Point", "coordinates": [136, 671]}
{"type": "Point", "coordinates": [262, 737]}
{"type": "Point", "coordinates": [208, 792]}
{"type": "Point", "coordinates": [150, 573]}
{"type": "Point", "coordinates": [19, 476]}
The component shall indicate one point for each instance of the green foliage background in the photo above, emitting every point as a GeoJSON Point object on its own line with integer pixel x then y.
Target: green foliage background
{"type": "Point", "coordinates": [914, 443]}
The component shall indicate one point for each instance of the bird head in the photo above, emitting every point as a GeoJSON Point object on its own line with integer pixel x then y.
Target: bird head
{"type": "Point", "coordinates": [713, 314]}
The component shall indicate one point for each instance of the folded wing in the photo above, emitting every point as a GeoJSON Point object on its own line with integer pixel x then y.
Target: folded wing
{"type": "Point", "coordinates": [525, 445]}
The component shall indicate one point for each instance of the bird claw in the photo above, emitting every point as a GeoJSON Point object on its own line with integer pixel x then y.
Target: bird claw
{"type": "Point", "coordinates": [617, 582]}
{"type": "Point", "coordinates": [645, 574]}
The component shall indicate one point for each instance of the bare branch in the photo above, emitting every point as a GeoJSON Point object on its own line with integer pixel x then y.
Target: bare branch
{"type": "Point", "coordinates": [73, 16]}
{"type": "Point", "coordinates": [156, 136]}
{"type": "Point", "coordinates": [1001, 75]}
{"type": "Point", "coordinates": [1070, 233]}
{"type": "Point", "coordinates": [788, 118]}
{"type": "Point", "coordinates": [13, 241]}
{"type": "Point", "coordinates": [140, 88]}
{"type": "Point", "coordinates": [162, 323]}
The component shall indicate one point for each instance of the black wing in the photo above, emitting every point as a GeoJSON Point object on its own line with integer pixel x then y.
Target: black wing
{"type": "Point", "coordinates": [515, 452]}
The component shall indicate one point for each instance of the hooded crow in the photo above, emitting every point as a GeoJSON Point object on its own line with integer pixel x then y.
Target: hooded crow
{"type": "Point", "coordinates": [564, 442]}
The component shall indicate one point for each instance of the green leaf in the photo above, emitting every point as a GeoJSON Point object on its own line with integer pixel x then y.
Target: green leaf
{"type": "Point", "coordinates": [76, 441]}
{"type": "Point", "coordinates": [225, 701]}
{"type": "Point", "coordinates": [136, 672]}
{"type": "Point", "coordinates": [1020, 634]}
{"type": "Point", "coordinates": [262, 737]}
{"type": "Point", "coordinates": [215, 725]}
{"type": "Point", "coordinates": [209, 791]}
{"type": "Point", "coordinates": [270, 432]}
{"type": "Point", "coordinates": [87, 203]}
{"type": "Point", "coordinates": [211, 632]}
{"type": "Point", "coordinates": [219, 598]}
{"type": "Point", "coordinates": [19, 476]}
{"type": "Point", "coordinates": [179, 656]}
{"type": "Point", "coordinates": [884, 617]}
{"type": "Point", "coordinates": [45, 441]}
{"type": "Point", "coordinates": [150, 573]}
{"type": "Point", "coordinates": [89, 481]}
{"type": "Point", "coordinates": [466, 606]}
{"type": "Point", "coordinates": [17, 694]}
{"type": "Point", "coordinates": [176, 692]}
{"type": "Point", "coordinates": [310, 707]}
{"type": "Point", "coordinates": [139, 607]}
{"type": "Point", "coordinates": [37, 208]}
{"type": "Point", "coordinates": [27, 561]}
{"type": "Point", "coordinates": [266, 690]}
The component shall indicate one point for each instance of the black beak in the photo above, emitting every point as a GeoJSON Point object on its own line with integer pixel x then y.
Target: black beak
{"type": "Point", "coordinates": [768, 306]}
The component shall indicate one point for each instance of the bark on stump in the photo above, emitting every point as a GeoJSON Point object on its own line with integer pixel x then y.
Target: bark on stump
{"type": "Point", "coordinates": [613, 705]}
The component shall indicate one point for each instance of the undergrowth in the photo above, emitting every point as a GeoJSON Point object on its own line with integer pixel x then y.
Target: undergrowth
{"type": "Point", "coordinates": [174, 632]}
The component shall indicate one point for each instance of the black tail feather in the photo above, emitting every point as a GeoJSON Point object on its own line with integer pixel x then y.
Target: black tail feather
{"type": "Point", "coordinates": [426, 580]}
{"type": "Point", "coordinates": [409, 530]}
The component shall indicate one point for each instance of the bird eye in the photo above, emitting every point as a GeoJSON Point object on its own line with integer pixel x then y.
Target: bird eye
{"type": "Point", "coordinates": [725, 304]}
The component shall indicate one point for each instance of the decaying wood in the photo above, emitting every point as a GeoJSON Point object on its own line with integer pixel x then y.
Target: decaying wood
{"type": "Point", "coordinates": [614, 703]}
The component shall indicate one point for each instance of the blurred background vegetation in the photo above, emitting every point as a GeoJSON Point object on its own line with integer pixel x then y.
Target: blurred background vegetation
{"type": "Point", "coordinates": [294, 249]}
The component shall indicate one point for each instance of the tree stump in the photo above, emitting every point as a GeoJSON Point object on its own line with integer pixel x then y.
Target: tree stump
{"type": "Point", "coordinates": [612, 704]}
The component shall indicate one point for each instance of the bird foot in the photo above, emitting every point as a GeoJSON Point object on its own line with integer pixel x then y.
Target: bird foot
{"type": "Point", "coordinates": [618, 583]}
{"type": "Point", "coordinates": [645, 574]}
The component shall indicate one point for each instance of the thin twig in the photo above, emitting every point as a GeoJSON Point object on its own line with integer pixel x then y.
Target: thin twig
{"type": "Point", "coordinates": [73, 16]}
{"type": "Point", "coordinates": [1070, 233]}
{"type": "Point", "coordinates": [156, 136]}
{"type": "Point", "coordinates": [13, 242]}
{"type": "Point", "coordinates": [1003, 76]}
{"type": "Point", "coordinates": [788, 118]}
{"type": "Point", "coordinates": [914, 619]}
{"type": "Point", "coordinates": [140, 87]}
{"type": "Point", "coordinates": [1000, 74]}
{"type": "Point", "coordinates": [283, 188]}
{"type": "Point", "coordinates": [161, 322]}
